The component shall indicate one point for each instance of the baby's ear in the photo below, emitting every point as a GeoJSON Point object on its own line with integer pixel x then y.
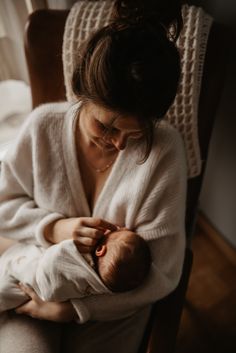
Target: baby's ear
{"type": "Point", "coordinates": [100, 250]}
{"type": "Point", "coordinates": [107, 232]}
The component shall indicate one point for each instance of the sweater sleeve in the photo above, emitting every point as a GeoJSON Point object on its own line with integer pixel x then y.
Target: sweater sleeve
{"type": "Point", "coordinates": [164, 229]}
{"type": "Point", "coordinates": [21, 218]}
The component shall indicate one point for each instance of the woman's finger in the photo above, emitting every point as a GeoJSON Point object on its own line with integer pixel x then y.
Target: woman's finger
{"type": "Point", "coordinates": [27, 290]}
{"type": "Point", "coordinates": [107, 225]}
{"type": "Point", "coordinates": [88, 236]}
{"type": "Point", "coordinates": [85, 241]}
{"type": "Point", "coordinates": [82, 248]}
{"type": "Point", "coordinates": [98, 223]}
{"type": "Point", "coordinates": [22, 309]}
{"type": "Point", "coordinates": [27, 308]}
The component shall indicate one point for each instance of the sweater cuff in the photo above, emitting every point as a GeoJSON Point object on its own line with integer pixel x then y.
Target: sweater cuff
{"type": "Point", "coordinates": [39, 234]}
{"type": "Point", "coordinates": [81, 310]}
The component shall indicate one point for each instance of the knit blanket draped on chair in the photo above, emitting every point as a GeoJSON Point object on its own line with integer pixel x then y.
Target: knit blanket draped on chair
{"type": "Point", "coordinates": [87, 16]}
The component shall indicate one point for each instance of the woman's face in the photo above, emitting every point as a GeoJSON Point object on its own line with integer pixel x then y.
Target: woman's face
{"type": "Point", "coordinates": [106, 129]}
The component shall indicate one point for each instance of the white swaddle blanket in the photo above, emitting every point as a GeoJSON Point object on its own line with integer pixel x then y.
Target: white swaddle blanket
{"type": "Point", "coordinates": [58, 273]}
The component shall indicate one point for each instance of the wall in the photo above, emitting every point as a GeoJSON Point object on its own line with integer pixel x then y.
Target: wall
{"type": "Point", "coordinates": [218, 196]}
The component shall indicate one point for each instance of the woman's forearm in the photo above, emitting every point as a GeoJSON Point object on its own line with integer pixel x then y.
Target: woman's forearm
{"type": "Point", "coordinates": [39, 309]}
{"type": "Point", "coordinates": [86, 231]}
{"type": "Point", "coordinates": [56, 231]}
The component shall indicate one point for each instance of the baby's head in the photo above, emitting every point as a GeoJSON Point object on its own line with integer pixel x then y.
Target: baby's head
{"type": "Point", "coordinates": [123, 260]}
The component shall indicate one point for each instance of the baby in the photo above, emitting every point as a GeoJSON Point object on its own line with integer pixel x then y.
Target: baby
{"type": "Point", "coordinates": [120, 262]}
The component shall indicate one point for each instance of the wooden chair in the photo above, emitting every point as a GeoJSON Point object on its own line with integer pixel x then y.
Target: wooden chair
{"type": "Point", "coordinates": [43, 48]}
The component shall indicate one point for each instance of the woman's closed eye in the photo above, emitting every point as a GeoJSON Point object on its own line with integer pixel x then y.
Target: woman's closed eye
{"type": "Point", "coordinates": [106, 128]}
{"type": "Point", "coordinates": [111, 130]}
{"type": "Point", "coordinates": [101, 126]}
{"type": "Point", "coordinates": [136, 135]}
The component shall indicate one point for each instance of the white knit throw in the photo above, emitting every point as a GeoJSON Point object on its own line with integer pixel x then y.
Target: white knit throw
{"type": "Point", "coordinates": [86, 16]}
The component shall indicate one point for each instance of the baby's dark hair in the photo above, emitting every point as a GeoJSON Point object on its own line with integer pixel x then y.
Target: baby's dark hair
{"type": "Point", "coordinates": [126, 263]}
{"type": "Point", "coordinates": [132, 65]}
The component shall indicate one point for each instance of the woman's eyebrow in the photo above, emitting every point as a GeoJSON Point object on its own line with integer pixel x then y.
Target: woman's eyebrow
{"type": "Point", "coordinates": [109, 124]}
{"type": "Point", "coordinates": [113, 119]}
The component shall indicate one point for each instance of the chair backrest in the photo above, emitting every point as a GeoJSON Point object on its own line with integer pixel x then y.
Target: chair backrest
{"type": "Point", "coordinates": [44, 59]}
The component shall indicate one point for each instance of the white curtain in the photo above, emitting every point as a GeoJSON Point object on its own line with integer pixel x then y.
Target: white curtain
{"type": "Point", "coordinates": [13, 17]}
{"type": "Point", "coordinates": [15, 94]}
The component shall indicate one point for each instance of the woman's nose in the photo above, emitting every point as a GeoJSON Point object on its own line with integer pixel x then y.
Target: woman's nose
{"type": "Point", "coordinates": [120, 142]}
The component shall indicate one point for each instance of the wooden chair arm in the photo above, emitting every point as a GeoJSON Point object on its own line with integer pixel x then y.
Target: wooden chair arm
{"type": "Point", "coordinates": [43, 50]}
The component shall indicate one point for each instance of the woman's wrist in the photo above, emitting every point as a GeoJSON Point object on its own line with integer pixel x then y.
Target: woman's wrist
{"type": "Point", "coordinates": [52, 232]}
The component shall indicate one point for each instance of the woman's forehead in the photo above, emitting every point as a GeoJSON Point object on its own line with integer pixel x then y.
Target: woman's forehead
{"type": "Point", "coordinates": [127, 123]}
{"type": "Point", "coordinates": [114, 119]}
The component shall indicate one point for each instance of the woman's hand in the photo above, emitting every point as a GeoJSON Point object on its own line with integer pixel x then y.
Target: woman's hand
{"type": "Point", "coordinates": [86, 231]}
{"type": "Point", "coordinates": [38, 309]}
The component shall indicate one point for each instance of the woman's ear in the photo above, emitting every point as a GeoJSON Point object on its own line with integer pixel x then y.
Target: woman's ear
{"type": "Point", "coordinates": [101, 250]}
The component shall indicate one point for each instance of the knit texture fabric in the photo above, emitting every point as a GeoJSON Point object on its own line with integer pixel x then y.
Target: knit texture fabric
{"type": "Point", "coordinates": [87, 16]}
{"type": "Point", "coordinates": [41, 182]}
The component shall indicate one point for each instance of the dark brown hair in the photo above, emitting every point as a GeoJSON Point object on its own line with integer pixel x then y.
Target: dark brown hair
{"type": "Point", "coordinates": [126, 264]}
{"type": "Point", "coordinates": [132, 66]}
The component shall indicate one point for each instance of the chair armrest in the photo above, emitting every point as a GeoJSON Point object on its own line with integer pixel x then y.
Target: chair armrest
{"type": "Point", "coordinates": [43, 49]}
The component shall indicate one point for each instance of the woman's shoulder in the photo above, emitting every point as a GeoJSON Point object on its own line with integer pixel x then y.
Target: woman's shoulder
{"type": "Point", "coordinates": [45, 116]}
{"type": "Point", "coordinates": [45, 122]}
{"type": "Point", "coordinates": [167, 140]}
{"type": "Point", "coordinates": [168, 145]}
{"type": "Point", "coordinates": [166, 135]}
{"type": "Point", "coordinates": [50, 111]}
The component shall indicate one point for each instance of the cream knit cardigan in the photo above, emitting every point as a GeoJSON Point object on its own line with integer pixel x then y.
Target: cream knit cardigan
{"type": "Point", "coordinates": [40, 182]}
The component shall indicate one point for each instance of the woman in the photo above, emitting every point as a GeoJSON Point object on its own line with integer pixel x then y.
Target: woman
{"type": "Point", "coordinates": [78, 171]}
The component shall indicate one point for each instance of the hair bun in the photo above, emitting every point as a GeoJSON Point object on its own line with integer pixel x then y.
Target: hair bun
{"type": "Point", "coordinates": [153, 13]}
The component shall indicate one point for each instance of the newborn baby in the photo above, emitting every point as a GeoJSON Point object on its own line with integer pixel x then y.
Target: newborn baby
{"type": "Point", "coordinates": [120, 262]}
